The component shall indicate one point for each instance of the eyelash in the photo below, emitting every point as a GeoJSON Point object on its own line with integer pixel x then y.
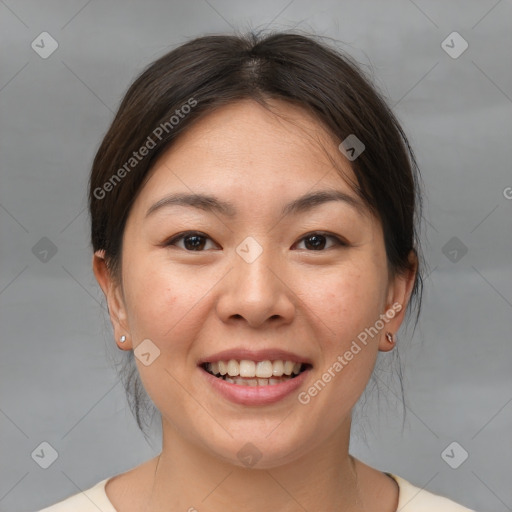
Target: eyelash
{"type": "Point", "coordinates": [172, 241]}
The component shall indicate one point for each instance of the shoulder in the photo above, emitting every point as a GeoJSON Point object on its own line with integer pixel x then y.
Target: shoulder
{"type": "Point", "coordinates": [416, 499]}
{"type": "Point", "coordinates": [89, 500]}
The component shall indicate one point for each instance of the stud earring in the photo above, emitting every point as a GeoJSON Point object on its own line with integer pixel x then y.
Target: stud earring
{"type": "Point", "coordinates": [389, 337]}
{"type": "Point", "coordinates": [122, 339]}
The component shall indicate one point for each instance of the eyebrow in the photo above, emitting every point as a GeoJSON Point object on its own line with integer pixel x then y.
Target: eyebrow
{"type": "Point", "coordinates": [210, 203]}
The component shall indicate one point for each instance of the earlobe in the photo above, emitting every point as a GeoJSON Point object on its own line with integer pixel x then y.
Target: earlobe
{"type": "Point", "coordinates": [113, 295]}
{"type": "Point", "coordinates": [398, 299]}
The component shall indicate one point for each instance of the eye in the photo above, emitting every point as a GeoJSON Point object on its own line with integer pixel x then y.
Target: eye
{"type": "Point", "coordinates": [317, 240]}
{"type": "Point", "coordinates": [193, 241]}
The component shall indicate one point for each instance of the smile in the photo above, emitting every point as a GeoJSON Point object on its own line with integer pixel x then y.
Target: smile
{"type": "Point", "coordinates": [254, 373]}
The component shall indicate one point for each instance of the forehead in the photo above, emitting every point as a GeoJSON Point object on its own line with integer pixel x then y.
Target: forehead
{"type": "Point", "coordinates": [244, 149]}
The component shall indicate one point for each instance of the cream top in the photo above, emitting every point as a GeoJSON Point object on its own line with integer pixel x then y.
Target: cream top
{"type": "Point", "coordinates": [411, 499]}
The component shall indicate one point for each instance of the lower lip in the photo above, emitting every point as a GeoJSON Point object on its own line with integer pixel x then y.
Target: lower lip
{"type": "Point", "coordinates": [255, 395]}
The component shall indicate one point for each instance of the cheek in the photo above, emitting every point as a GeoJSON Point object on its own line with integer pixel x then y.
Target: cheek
{"type": "Point", "coordinates": [166, 302]}
{"type": "Point", "coordinates": [346, 306]}
{"type": "Point", "coordinates": [345, 300]}
{"type": "Point", "coordinates": [156, 299]}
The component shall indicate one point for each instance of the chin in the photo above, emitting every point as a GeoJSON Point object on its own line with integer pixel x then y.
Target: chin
{"type": "Point", "coordinates": [261, 449]}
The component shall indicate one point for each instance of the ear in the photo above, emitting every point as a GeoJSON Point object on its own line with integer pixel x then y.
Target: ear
{"type": "Point", "coordinates": [399, 294]}
{"type": "Point", "coordinates": [115, 299]}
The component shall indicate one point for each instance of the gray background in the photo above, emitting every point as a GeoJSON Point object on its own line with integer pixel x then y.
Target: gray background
{"type": "Point", "coordinates": [57, 381]}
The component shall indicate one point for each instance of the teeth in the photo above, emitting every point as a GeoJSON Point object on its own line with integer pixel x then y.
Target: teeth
{"type": "Point", "coordinates": [254, 373]}
{"type": "Point", "coordinates": [233, 368]}
{"type": "Point", "coordinates": [245, 382]}
{"type": "Point", "coordinates": [288, 367]}
{"type": "Point", "coordinates": [264, 369]}
{"type": "Point", "coordinates": [277, 368]}
{"type": "Point", "coordinates": [247, 368]}
{"type": "Point", "coordinates": [223, 367]}
{"type": "Point", "coordinates": [241, 381]}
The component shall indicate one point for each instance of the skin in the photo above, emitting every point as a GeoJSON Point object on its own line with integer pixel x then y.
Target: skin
{"type": "Point", "coordinates": [195, 303]}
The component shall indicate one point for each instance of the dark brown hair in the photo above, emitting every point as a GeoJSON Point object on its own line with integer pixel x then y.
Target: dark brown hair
{"type": "Point", "coordinates": [208, 72]}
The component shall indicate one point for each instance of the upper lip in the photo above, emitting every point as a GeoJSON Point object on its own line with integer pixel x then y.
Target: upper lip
{"type": "Point", "coordinates": [254, 355]}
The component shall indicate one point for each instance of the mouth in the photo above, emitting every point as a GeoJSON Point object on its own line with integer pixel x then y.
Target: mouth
{"type": "Point", "coordinates": [247, 372]}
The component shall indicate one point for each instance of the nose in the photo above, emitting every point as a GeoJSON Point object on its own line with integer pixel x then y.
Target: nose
{"type": "Point", "coordinates": [257, 292]}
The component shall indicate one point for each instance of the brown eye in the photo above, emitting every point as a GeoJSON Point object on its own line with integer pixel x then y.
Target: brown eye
{"type": "Point", "coordinates": [192, 241]}
{"type": "Point", "coordinates": [317, 241]}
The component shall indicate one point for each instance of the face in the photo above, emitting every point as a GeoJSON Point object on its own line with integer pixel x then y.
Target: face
{"type": "Point", "coordinates": [261, 278]}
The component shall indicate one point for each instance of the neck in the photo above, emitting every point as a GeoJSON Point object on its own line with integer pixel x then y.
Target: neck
{"type": "Point", "coordinates": [189, 478]}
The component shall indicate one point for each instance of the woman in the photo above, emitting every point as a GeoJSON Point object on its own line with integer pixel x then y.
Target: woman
{"type": "Point", "coordinates": [254, 212]}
